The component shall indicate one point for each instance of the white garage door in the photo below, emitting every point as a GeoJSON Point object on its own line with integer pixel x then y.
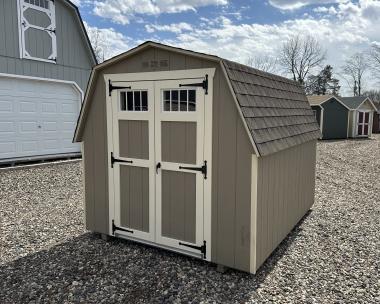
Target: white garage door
{"type": "Point", "coordinates": [37, 117]}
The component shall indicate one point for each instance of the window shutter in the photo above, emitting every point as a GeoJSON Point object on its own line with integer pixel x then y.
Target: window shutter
{"type": "Point", "coordinates": [38, 30]}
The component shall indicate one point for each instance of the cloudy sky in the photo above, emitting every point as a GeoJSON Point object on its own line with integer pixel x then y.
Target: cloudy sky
{"type": "Point", "coordinates": [237, 29]}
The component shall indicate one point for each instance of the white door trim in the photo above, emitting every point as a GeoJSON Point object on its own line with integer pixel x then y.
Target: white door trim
{"type": "Point", "coordinates": [370, 119]}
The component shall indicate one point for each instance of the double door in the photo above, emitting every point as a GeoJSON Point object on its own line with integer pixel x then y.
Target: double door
{"type": "Point", "coordinates": [157, 163]}
{"type": "Point", "coordinates": [363, 123]}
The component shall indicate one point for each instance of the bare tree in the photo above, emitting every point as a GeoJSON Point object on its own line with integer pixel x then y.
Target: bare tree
{"type": "Point", "coordinates": [373, 94]}
{"type": "Point", "coordinates": [375, 59]}
{"type": "Point", "coordinates": [98, 43]}
{"type": "Point", "coordinates": [264, 63]}
{"type": "Point", "coordinates": [354, 70]}
{"type": "Point", "coordinates": [300, 55]}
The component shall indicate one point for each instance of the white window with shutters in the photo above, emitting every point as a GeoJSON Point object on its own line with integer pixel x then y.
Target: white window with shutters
{"type": "Point", "coordinates": [37, 29]}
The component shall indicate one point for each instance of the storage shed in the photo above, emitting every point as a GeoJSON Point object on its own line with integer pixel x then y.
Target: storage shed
{"type": "Point", "coordinates": [360, 119]}
{"type": "Point", "coordinates": [196, 154]}
{"type": "Point", "coordinates": [332, 115]}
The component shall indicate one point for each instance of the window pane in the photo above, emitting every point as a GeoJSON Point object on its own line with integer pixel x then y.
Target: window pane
{"type": "Point", "coordinates": [366, 120]}
{"type": "Point", "coordinates": [192, 100]}
{"type": "Point", "coordinates": [360, 129]}
{"type": "Point", "coordinates": [183, 100]}
{"type": "Point", "coordinates": [130, 101]}
{"type": "Point", "coordinates": [144, 100]}
{"type": "Point", "coordinates": [174, 100]}
{"type": "Point", "coordinates": [137, 101]}
{"type": "Point", "coordinates": [123, 102]}
{"type": "Point", "coordinates": [365, 130]}
{"type": "Point", "coordinates": [166, 100]}
{"type": "Point", "coordinates": [360, 117]}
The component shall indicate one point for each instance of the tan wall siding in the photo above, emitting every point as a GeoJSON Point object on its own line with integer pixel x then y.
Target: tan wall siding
{"type": "Point", "coordinates": [231, 186]}
{"type": "Point", "coordinates": [351, 123]}
{"type": "Point", "coordinates": [231, 171]}
{"type": "Point", "coordinates": [286, 185]}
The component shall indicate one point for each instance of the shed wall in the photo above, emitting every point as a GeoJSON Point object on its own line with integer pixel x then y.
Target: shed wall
{"type": "Point", "coordinates": [376, 123]}
{"type": "Point", "coordinates": [231, 172]}
{"type": "Point", "coordinates": [285, 192]}
{"type": "Point", "coordinates": [335, 120]}
{"type": "Point", "coordinates": [74, 61]}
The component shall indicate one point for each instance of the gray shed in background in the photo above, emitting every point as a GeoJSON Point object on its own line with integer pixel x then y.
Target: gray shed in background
{"type": "Point", "coordinates": [45, 63]}
{"type": "Point", "coordinates": [196, 154]}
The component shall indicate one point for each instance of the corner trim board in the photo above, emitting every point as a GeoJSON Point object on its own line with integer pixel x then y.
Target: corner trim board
{"type": "Point", "coordinates": [254, 179]}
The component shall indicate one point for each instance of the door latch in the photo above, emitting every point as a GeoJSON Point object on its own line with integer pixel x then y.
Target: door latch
{"type": "Point", "coordinates": [202, 169]}
{"type": "Point", "coordinates": [116, 160]}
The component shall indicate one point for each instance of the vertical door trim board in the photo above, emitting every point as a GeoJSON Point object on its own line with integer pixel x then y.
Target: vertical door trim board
{"type": "Point", "coordinates": [254, 181]}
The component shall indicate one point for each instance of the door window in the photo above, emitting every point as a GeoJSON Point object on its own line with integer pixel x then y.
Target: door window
{"type": "Point", "coordinates": [134, 101]}
{"type": "Point", "coordinates": [179, 101]}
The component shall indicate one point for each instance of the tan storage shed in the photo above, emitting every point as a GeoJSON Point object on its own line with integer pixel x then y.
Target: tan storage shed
{"type": "Point", "coordinates": [196, 154]}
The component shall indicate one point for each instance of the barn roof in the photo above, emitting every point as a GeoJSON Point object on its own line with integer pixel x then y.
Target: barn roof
{"type": "Point", "coordinates": [275, 109]}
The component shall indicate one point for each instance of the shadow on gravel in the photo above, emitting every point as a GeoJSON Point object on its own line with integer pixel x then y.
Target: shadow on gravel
{"type": "Point", "coordinates": [87, 269]}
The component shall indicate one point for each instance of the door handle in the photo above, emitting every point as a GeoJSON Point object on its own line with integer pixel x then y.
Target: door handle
{"type": "Point", "coordinates": [158, 166]}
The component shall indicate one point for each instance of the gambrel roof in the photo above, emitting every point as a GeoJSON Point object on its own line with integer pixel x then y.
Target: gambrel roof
{"type": "Point", "coordinates": [275, 109]}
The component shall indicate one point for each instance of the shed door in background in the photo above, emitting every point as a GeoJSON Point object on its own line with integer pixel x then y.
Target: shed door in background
{"type": "Point", "coordinates": [133, 159]}
{"type": "Point", "coordinates": [179, 135]}
{"type": "Point", "coordinates": [363, 123]}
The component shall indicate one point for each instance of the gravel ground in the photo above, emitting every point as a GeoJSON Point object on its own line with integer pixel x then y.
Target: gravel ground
{"type": "Point", "coordinates": [332, 256]}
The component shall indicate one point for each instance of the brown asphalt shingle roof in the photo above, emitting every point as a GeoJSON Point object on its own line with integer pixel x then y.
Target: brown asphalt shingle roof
{"type": "Point", "coordinates": [276, 109]}
{"type": "Point", "coordinates": [316, 100]}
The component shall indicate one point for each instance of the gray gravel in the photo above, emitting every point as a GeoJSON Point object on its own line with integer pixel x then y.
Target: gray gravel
{"type": "Point", "coordinates": [332, 256]}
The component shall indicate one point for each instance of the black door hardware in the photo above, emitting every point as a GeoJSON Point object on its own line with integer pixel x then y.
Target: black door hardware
{"type": "Point", "coordinates": [203, 84]}
{"type": "Point", "coordinates": [202, 169]}
{"type": "Point", "coordinates": [202, 248]}
{"type": "Point", "coordinates": [112, 87]}
{"type": "Point", "coordinates": [114, 228]}
{"type": "Point", "coordinates": [117, 160]}
{"type": "Point", "coordinates": [158, 166]}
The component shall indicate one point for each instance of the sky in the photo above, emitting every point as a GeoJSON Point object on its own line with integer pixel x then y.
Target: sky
{"type": "Point", "coordinates": [238, 29]}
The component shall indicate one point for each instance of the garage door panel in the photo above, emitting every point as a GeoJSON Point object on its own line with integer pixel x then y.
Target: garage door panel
{"type": "Point", "coordinates": [37, 118]}
{"type": "Point", "coordinates": [6, 106]}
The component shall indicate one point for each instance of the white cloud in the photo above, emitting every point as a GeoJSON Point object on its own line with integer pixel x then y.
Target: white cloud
{"type": "Point", "coordinates": [108, 41]}
{"type": "Point", "coordinates": [173, 28]}
{"type": "Point", "coordinates": [76, 2]}
{"type": "Point", "coordinates": [122, 11]}
{"type": "Point", "coordinates": [326, 10]}
{"type": "Point", "coordinates": [295, 4]}
{"type": "Point", "coordinates": [354, 28]}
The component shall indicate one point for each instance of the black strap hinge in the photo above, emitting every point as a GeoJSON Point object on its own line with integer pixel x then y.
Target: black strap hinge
{"type": "Point", "coordinates": [114, 228]}
{"type": "Point", "coordinates": [202, 169]}
{"type": "Point", "coordinates": [202, 248]}
{"type": "Point", "coordinates": [203, 84]}
{"type": "Point", "coordinates": [112, 87]}
{"type": "Point", "coordinates": [117, 160]}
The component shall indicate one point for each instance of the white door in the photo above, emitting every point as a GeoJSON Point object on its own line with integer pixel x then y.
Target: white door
{"type": "Point", "coordinates": [363, 123]}
{"type": "Point", "coordinates": [37, 117]}
{"type": "Point", "coordinates": [181, 167]}
{"type": "Point", "coordinates": [132, 160]}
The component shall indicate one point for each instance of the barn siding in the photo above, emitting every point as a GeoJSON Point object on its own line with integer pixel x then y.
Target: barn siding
{"type": "Point", "coordinates": [231, 148]}
{"type": "Point", "coordinates": [74, 60]}
{"type": "Point", "coordinates": [291, 173]}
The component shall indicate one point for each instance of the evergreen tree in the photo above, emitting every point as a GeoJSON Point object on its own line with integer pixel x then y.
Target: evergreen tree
{"type": "Point", "coordinates": [323, 83]}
